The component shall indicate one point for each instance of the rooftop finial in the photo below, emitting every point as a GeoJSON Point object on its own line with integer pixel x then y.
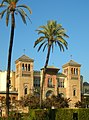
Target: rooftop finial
{"type": "Point", "coordinates": [71, 57]}
{"type": "Point", "coordinates": [24, 51]}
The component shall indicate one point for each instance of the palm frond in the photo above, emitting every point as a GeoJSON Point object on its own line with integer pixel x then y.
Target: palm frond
{"type": "Point", "coordinates": [60, 46]}
{"type": "Point", "coordinates": [3, 1]}
{"type": "Point", "coordinates": [44, 28]}
{"type": "Point", "coordinates": [23, 12]}
{"type": "Point", "coordinates": [53, 33]}
{"type": "Point", "coordinates": [3, 5]}
{"type": "Point", "coordinates": [39, 40]}
{"type": "Point", "coordinates": [24, 6]}
{"type": "Point", "coordinates": [65, 35]}
{"type": "Point", "coordinates": [2, 13]}
{"type": "Point", "coordinates": [41, 31]}
{"type": "Point", "coordinates": [7, 17]}
{"type": "Point", "coordinates": [61, 39]}
{"type": "Point", "coordinates": [44, 47]}
{"type": "Point", "coordinates": [40, 46]}
{"type": "Point", "coordinates": [22, 15]}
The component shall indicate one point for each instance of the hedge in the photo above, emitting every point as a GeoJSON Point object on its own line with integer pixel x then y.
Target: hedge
{"type": "Point", "coordinates": [54, 114]}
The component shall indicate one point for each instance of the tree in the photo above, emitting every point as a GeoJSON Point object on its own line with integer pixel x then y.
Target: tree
{"type": "Point", "coordinates": [52, 34]}
{"type": "Point", "coordinates": [56, 102]}
{"type": "Point", "coordinates": [84, 103]}
{"type": "Point", "coordinates": [31, 101]}
{"type": "Point", "coordinates": [12, 9]}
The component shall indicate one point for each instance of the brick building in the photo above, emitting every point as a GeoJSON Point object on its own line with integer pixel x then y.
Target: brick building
{"type": "Point", "coordinates": [24, 80]}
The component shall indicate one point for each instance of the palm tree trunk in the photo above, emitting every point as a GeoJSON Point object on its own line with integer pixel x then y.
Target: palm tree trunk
{"type": "Point", "coordinates": [44, 72]}
{"type": "Point", "coordinates": [9, 63]}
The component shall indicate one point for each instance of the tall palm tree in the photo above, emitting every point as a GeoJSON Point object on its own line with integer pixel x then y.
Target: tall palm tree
{"type": "Point", "coordinates": [52, 34]}
{"type": "Point", "coordinates": [10, 8]}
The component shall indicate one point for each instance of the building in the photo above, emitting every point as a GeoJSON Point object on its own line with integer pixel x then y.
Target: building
{"type": "Point", "coordinates": [24, 80]}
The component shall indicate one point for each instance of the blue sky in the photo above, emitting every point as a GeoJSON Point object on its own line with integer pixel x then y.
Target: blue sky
{"type": "Point", "coordinates": [74, 17]}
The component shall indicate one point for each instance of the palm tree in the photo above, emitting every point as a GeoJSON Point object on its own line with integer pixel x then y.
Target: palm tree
{"type": "Point", "coordinates": [12, 9]}
{"type": "Point", "coordinates": [52, 34]}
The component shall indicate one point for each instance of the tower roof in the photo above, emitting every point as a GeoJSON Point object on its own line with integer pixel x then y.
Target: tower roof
{"type": "Point", "coordinates": [61, 75]}
{"type": "Point", "coordinates": [24, 58]}
{"type": "Point", "coordinates": [51, 67]}
{"type": "Point", "coordinates": [72, 63]}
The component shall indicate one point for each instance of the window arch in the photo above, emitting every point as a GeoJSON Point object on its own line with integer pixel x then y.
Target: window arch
{"type": "Point", "coordinates": [22, 66]}
{"type": "Point", "coordinates": [74, 92]}
{"type": "Point", "coordinates": [25, 91]}
{"type": "Point", "coordinates": [76, 71]}
{"type": "Point", "coordinates": [49, 82]}
{"type": "Point", "coordinates": [71, 70]}
{"type": "Point", "coordinates": [28, 67]}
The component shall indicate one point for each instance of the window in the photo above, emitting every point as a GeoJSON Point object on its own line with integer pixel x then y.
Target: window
{"type": "Point", "coordinates": [49, 82]}
{"type": "Point", "coordinates": [76, 72]}
{"type": "Point", "coordinates": [25, 91]}
{"type": "Point", "coordinates": [22, 66]}
{"type": "Point", "coordinates": [60, 82]}
{"type": "Point", "coordinates": [28, 67]}
{"type": "Point", "coordinates": [86, 90]}
{"type": "Point", "coordinates": [71, 70]}
{"type": "Point", "coordinates": [36, 82]}
{"type": "Point", "coordinates": [74, 92]}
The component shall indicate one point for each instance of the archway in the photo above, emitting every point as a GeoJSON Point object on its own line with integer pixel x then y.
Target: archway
{"type": "Point", "coordinates": [49, 93]}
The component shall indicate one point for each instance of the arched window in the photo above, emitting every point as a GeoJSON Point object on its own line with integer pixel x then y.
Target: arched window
{"type": "Point", "coordinates": [49, 82]}
{"type": "Point", "coordinates": [71, 70]}
{"type": "Point", "coordinates": [76, 71]}
{"type": "Point", "coordinates": [28, 67]}
{"type": "Point", "coordinates": [74, 92]}
{"type": "Point", "coordinates": [25, 90]}
{"type": "Point", "coordinates": [22, 66]}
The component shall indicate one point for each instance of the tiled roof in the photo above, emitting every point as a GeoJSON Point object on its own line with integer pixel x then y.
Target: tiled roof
{"type": "Point", "coordinates": [36, 72]}
{"type": "Point", "coordinates": [24, 58]}
{"type": "Point", "coordinates": [71, 63]}
{"type": "Point", "coordinates": [51, 67]}
{"type": "Point", "coordinates": [86, 84]}
{"type": "Point", "coordinates": [61, 75]}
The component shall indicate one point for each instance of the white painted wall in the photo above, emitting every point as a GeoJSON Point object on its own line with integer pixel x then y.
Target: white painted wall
{"type": "Point", "coordinates": [3, 80]}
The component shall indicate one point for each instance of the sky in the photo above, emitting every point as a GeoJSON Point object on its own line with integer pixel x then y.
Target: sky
{"type": "Point", "coordinates": [74, 17]}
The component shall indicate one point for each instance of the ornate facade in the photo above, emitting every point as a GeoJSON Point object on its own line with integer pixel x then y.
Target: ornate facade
{"type": "Point", "coordinates": [24, 80]}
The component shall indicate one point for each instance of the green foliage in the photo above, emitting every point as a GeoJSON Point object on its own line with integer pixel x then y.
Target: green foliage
{"type": "Point", "coordinates": [32, 101]}
{"type": "Point", "coordinates": [59, 114]}
{"type": "Point", "coordinates": [11, 5]}
{"type": "Point", "coordinates": [84, 114]}
{"type": "Point", "coordinates": [52, 114]}
{"type": "Point", "coordinates": [64, 114]}
{"type": "Point", "coordinates": [84, 102]}
{"type": "Point", "coordinates": [52, 34]}
{"type": "Point", "coordinates": [56, 102]}
{"type": "Point", "coordinates": [38, 114]}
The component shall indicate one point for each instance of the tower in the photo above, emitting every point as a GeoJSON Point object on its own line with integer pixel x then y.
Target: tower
{"type": "Point", "coordinates": [72, 81]}
{"type": "Point", "coordinates": [24, 75]}
{"type": "Point", "coordinates": [50, 83]}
